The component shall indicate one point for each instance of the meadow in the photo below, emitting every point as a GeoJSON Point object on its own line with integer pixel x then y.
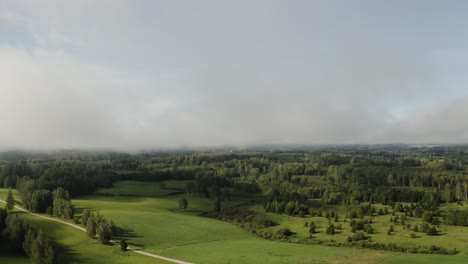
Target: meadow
{"type": "Point", "coordinates": [150, 220]}
{"type": "Point", "coordinates": [145, 189]}
{"type": "Point", "coordinates": [449, 237]}
{"type": "Point", "coordinates": [156, 225]}
{"type": "Point", "coordinates": [74, 246]}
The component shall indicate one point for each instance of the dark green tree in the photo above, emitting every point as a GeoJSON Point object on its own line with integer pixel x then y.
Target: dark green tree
{"type": "Point", "coordinates": [16, 231]}
{"type": "Point", "coordinates": [29, 239]}
{"type": "Point", "coordinates": [432, 231]}
{"type": "Point", "coordinates": [84, 218]}
{"type": "Point", "coordinates": [42, 251]}
{"type": "Point", "coordinates": [91, 226]}
{"type": "Point", "coordinates": [312, 228]}
{"type": "Point", "coordinates": [123, 245]}
{"type": "Point", "coordinates": [368, 229]}
{"type": "Point", "coordinates": [104, 232]}
{"type": "Point", "coordinates": [40, 200]}
{"type": "Point", "coordinates": [62, 206]}
{"type": "Point", "coordinates": [183, 204]}
{"type": "Point", "coordinates": [217, 207]}
{"type": "Point", "coordinates": [330, 229]}
{"type": "Point", "coordinates": [3, 216]}
{"type": "Point", "coordinates": [10, 201]}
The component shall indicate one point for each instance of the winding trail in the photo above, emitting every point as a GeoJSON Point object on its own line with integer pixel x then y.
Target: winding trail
{"type": "Point", "coordinates": [113, 242]}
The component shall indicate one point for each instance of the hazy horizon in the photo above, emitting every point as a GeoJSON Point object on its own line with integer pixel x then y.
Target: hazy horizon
{"type": "Point", "coordinates": [128, 75]}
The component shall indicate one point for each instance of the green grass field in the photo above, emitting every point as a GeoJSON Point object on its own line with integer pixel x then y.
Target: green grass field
{"type": "Point", "coordinates": [449, 236]}
{"type": "Point", "coordinates": [76, 247]}
{"type": "Point", "coordinates": [155, 224]}
{"type": "Point", "coordinates": [144, 189]}
{"type": "Point", "coordinates": [4, 192]}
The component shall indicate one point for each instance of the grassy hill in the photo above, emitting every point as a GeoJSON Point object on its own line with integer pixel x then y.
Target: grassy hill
{"type": "Point", "coordinates": [449, 237]}
{"type": "Point", "coordinates": [74, 246]}
{"type": "Point", "coordinates": [155, 224]}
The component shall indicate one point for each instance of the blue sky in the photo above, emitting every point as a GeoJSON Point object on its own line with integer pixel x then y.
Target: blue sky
{"type": "Point", "coordinates": [149, 74]}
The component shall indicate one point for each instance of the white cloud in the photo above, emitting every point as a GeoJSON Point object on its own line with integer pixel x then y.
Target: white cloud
{"type": "Point", "coordinates": [119, 75]}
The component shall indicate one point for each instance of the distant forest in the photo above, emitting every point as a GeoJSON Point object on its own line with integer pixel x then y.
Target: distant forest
{"type": "Point", "coordinates": [300, 181]}
{"type": "Point", "coordinates": [287, 178]}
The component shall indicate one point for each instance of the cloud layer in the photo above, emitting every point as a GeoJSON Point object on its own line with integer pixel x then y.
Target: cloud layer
{"type": "Point", "coordinates": [127, 75]}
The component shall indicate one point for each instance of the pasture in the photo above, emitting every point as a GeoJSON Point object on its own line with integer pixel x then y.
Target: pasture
{"type": "Point", "coordinates": [155, 224]}
{"type": "Point", "coordinates": [158, 226]}
{"type": "Point", "coordinates": [449, 237]}
{"type": "Point", "coordinates": [76, 247]}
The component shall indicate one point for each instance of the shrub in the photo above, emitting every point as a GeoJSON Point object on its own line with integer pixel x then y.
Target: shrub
{"type": "Point", "coordinates": [432, 231]}
{"type": "Point", "coordinates": [123, 245]}
{"type": "Point", "coordinates": [330, 229]}
{"type": "Point", "coordinates": [183, 204]}
{"type": "Point", "coordinates": [424, 227]}
{"type": "Point", "coordinates": [358, 236]}
{"type": "Point", "coordinates": [368, 229]}
{"type": "Point", "coordinates": [284, 233]}
{"type": "Point", "coordinates": [312, 228]}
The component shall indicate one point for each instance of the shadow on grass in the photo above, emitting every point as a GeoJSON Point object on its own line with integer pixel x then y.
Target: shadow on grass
{"type": "Point", "coordinates": [78, 210]}
{"type": "Point", "coordinates": [187, 211]}
{"type": "Point", "coordinates": [125, 233]}
{"type": "Point", "coordinates": [65, 254]}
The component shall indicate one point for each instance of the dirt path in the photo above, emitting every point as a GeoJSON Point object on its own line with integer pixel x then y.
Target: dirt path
{"type": "Point", "coordinates": [115, 243]}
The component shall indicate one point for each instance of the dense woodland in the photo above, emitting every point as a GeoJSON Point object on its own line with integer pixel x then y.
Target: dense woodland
{"type": "Point", "coordinates": [336, 175]}
{"type": "Point", "coordinates": [25, 239]}
{"type": "Point", "coordinates": [295, 181]}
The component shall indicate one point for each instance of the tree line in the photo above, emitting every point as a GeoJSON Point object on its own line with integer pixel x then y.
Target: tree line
{"type": "Point", "coordinates": [26, 239]}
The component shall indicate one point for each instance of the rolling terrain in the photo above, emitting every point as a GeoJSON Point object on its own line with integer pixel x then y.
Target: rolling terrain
{"type": "Point", "coordinates": [156, 224]}
{"type": "Point", "coordinates": [147, 215]}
